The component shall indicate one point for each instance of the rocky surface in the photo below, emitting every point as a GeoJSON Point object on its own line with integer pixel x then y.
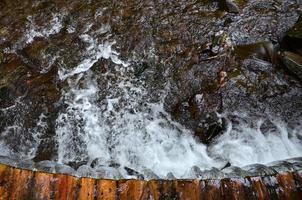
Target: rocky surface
{"type": "Point", "coordinates": [194, 51]}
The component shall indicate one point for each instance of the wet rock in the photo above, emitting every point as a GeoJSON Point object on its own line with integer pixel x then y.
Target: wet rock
{"type": "Point", "coordinates": [213, 173]}
{"type": "Point", "coordinates": [235, 172]}
{"type": "Point", "coordinates": [46, 150]}
{"type": "Point", "coordinates": [107, 173]}
{"type": "Point", "coordinates": [26, 164]}
{"type": "Point", "coordinates": [85, 171]}
{"type": "Point", "coordinates": [293, 62]}
{"type": "Point", "coordinates": [113, 164]}
{"type": "Point", "coordinates": [296, 163]}
{"type": "Point", "coordinates": [196, 172]}
{"type": "Point", "coordinates": [251, 70]}
{"type": "Point", "coordinates": [267, 26]}
{"type": "Point", "coordinates": [262, 50]}
{"type": "Point", "coordinates": [281, 166]}
{"type": "Point", "coordinates": [229, 5]}
{"type": "Point", "coordinates": [170, 176]}
{"type": "Point", "coordinates": [149, 174]}
{"type": "Point", "coordinates": [259, 86]}
{"type": "Point", "coordinates": [8, 161]}
{"type": "Point", "coordinates": [27, 96]}
{"type": "Point", "coordinates": [46, 166]}
{"type": "Point", "coordinates": [77, 164]}
{"type": "Point", "coordinates": [134, 173]}
{"type": "Point", "coordinates": [296, 30]}
{"type": "Point", "coordinates": [227, 165]}
{"type": "Point", "coordinates": [95, 162]}
{"type": "Point", "coordinates": [212, 128]}
{"type": "Point", "coordinates": [293, 38]}
{"type": "Point", "coordinates": [64, 169]}
{"type": "Point", "coordinates": [268, 126]}
{"type": "Point", "coordinates": [259, 170]}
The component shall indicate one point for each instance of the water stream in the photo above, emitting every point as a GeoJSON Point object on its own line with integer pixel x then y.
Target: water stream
{"type": "Point", "coordinates": [109, 122]}
{"type": "Point", "coordinates": [124, 128]}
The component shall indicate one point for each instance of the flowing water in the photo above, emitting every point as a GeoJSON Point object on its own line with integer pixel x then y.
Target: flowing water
{"type": "Point", "coordinates": [109, 121]}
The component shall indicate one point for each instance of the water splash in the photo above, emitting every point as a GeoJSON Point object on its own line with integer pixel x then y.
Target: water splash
{"type": "Point", "coordinates": [125, 129]}
{"type": "Point", "coordinates": [114, 125]}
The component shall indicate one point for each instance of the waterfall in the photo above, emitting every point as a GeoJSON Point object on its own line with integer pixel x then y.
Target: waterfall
{"type": "Point", "coordinates": [109, 123]}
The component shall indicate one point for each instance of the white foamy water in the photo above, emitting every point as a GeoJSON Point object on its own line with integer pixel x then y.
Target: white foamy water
{"type": "Point", "coordinates": [124, 128]}
{"type": "Point", "coordinates": [246, 145]}
{"type": "Point", "coordinates": [52, 27]}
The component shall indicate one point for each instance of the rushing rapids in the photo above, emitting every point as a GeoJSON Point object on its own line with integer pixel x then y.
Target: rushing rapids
{"type": "Point", "coordinates": [111, 90]}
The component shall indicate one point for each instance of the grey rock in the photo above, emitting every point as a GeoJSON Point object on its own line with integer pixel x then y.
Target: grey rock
{"type": "Point", "coordinates": [259, 170]}
{"type": "Point", "coordinates": [235, 172]}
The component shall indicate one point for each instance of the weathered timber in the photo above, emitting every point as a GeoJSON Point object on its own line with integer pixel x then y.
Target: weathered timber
{"type": "Point", "coordinates": [26, 184]}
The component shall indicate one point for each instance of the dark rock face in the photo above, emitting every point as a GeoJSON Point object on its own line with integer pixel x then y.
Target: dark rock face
{"type": "Point", "coordinates": [293, 38]}
{"type": "Point", "coordinates": [25, 95]}
{"type": "Point", "coordinates": [187, 47]}
{"type": "Point", "coordinates": [292, 47]}
{"type": "Point", "coordinates": [229, 5]}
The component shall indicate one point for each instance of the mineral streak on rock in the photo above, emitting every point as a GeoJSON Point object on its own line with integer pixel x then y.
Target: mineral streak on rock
{"type": "Point", "coordinates": [26, 184]}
